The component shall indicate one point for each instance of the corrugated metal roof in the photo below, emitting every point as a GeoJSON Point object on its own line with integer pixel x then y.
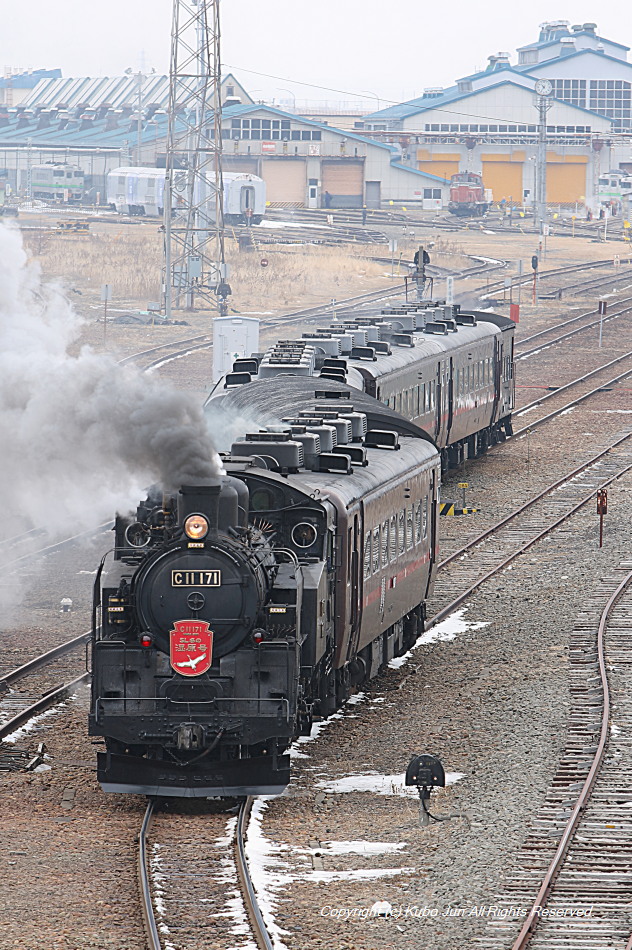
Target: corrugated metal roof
{"type": "Point", "coordinates": [437, 103]}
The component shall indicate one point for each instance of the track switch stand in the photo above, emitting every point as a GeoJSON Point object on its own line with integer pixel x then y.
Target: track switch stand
{"type": "Point", "coordinates": [426, 772]}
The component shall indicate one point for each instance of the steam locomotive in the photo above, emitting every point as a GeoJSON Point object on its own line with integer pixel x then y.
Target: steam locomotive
{"type": "Point", "coordinates": [238, 610]}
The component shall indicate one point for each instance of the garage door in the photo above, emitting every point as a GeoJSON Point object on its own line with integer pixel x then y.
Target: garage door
{"type": "Point", "coordinates": [504, 179]}
{"type": "Point", "coordinates": [565, 183]}
{"type": "Point", "coordinates": [443, 168]}
{"type": "Point", "coordinates": [285, 182]}
{"type": "Point", "coordinates": [245, 166]}
{"type": "Point", "coordinates": [344, 181]}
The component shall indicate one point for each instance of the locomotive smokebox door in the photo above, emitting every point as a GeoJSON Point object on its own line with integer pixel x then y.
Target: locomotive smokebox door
{"type": "Point", "coordinates": [425, 770]}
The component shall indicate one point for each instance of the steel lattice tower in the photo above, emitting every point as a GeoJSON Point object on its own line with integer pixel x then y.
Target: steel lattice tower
{"type": "Point", "coordinates": [194, 266]}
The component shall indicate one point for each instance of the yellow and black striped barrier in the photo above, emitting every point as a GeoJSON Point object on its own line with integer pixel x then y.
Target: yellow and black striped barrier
{"type": "Point", "coordinates": [449, 509]}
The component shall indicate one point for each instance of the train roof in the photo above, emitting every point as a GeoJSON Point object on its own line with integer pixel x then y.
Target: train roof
{"type": "Point", "coordinates": [282, 396]}
{"type": "Point", "coordinates": [267, 401]}
{"type": "Point", "coordinates": [428, 344]}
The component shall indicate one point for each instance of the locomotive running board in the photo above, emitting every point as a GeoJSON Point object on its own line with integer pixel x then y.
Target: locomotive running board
{"type": "Point", "coordinates": [137, 776]}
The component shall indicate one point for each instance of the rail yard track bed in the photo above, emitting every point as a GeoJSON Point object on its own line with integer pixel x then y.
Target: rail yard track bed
{"type": "Point", "coordinates": [493, 702]}
{"type": "Point", "coordinates": [67, 870]}
{"type": "Point", "coordinates": [590, 905]}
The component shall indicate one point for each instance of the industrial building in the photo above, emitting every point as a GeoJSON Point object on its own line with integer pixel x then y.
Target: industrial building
{"type": "Point", "coordinates": [487, 121]}
{"type": "Point", "coordinates": [100, 124]}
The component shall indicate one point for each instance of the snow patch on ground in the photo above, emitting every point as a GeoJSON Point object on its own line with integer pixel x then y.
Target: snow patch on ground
{"type": "Point", "coordinates": [270, 872]}
{"type": "Point", "coordinates": [158, 878]}
{"type": "Point", "coordinates": [361, 847]}
{"type": "Point", "coordinates": [446, 630]}
{"type": "Point", "coordinates": [379, 784]}
{"type": "Point", "coordinates": [34, 723]}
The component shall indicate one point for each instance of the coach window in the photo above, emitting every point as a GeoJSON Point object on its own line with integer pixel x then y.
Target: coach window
{"type": "Point", "coordinates": [384, 543]}
{"type": "Point", "coordinates": [392, 538]}
{"type": "Point", "coordinates": [376, 549]}
{"type": "Point", "coordinates": [418, 523]}
{"type": "Point", "coordinates": [367, 555]}
{"type": "Point", "coordinates": [424, 521]}
{"type": "Point", "coordinates": [418, 413]}
{"type": "Point", "coordinates": [409, 528]}
{"type": "Point", "coordinates": [402, 531]}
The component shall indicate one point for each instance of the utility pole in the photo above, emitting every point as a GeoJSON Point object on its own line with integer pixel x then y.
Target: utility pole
{"type": "Point", "coordinates": [139, 117]}
{"type": "Point", "coordinates": [543, 88]}
{"type": "Point", "coordinates": [194, 263]}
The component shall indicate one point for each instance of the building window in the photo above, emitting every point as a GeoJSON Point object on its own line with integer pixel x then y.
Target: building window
{"type": "Point", "coordinates": [612, 98]}
{"type": "Point", "coordinates": [572, 91]}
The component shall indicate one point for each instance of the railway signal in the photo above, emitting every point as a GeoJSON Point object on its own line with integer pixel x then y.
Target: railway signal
{"type": "Point", "coordinates": [603, 306]}
{"type": "Point", "coordinates": [602, 509]}
{"type": "Point", "coordinates": [534, 264]}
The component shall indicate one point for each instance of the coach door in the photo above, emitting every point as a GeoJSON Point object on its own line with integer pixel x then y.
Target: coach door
{"type": "Point", "coordinates": [437, 406]}
{"type": "Point", "coordinates": [450, 399]}
{"type": "Point", "coordinates": [355, 576]}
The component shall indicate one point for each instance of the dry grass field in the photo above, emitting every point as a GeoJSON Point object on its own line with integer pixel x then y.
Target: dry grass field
{"type": "Point", "coordinates": [129, 258]}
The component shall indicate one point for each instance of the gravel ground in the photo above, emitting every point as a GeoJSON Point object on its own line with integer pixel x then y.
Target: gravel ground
{"type": "Point", "coordinates": [492, 703]}
{"type": "Point", "coordinates": [463, 699]}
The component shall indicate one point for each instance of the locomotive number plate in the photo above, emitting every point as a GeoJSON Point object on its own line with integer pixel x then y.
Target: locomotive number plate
{"type": "Point", "coordinates": [196, 578]}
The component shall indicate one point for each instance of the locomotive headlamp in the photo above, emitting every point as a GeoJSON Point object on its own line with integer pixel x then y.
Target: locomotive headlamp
{"type": "Point", "coordinates": [146, 640]}
{"type": "Point", "coordinates": [196, 527]}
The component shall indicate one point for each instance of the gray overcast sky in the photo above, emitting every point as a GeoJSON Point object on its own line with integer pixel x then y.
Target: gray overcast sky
{"type": "Point", "coordinates": [390, 50]}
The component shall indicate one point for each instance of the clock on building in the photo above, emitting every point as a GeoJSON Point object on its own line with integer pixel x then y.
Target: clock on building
{"type": "Point", "coordinates": [544, 87]}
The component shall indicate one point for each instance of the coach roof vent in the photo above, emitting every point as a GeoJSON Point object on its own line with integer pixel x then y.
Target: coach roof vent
{"type": "Point", "coordinates": [402, 339]}
{"type": "Point", "coordinates": [332, 394]}
{"type": "Point", "coordinates": [382, 439]}
{"type": "Point", "coordinates": [363, 353]}
{"type": "Point", "coordinates": [277, 451]}
{"type": "Point", "coordinates": [246, 366]}
{"type": "Point", "coordinates": [449, 324]}
{"type": "Point", "coordinates": [436, 328]}
{"type": "Point", "coordinates": [466, 319]}
{"type": "Point", "coordinates": [326, 433]}
{"type": "Point", "coordinates": [236, 379]}
{"type": "Point", "coordinates": [334, 463]}
{"type": "Point", "coordinates": [336, 375]}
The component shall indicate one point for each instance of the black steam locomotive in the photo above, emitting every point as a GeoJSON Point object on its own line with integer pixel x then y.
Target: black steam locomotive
{"type": "Point", "coordinates": [238, 610]}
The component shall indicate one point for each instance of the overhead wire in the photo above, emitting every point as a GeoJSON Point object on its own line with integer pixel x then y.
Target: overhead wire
{"type": "Point", "coordinates": [393, 102]}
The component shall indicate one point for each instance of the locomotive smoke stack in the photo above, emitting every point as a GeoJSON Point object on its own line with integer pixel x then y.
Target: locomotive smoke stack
{"type": "Point", "coordinates": [201, 499]}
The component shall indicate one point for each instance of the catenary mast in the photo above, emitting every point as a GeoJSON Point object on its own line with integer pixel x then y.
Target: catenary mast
{"type": "Point", "coordinates": [194, 265]}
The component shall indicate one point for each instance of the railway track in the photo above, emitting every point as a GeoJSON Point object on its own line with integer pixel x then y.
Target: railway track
{"type": "Point", "coordinates": [573, 876]}
{"type": "Point", "coordinates": [18, 706]}
{"type": "Point", "coordinates": [495, 549]}
{"type": "Point", "coordinates": [203, 895]}
{"type": "Point", "coordinates": [563, 325]}
{"type": "Point", "coordinates": [601, 386]}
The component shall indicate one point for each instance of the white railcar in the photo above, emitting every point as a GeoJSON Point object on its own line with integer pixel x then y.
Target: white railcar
{"type": "Point", "coordinates": [138, 191]}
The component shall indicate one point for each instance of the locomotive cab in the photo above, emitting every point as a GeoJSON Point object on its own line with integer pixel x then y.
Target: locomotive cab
{"type": "Point", "coordinates": [197, 643]}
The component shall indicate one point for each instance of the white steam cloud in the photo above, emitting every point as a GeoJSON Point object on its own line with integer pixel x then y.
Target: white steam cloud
{"type": "Point", "coordinates": [81, 435]}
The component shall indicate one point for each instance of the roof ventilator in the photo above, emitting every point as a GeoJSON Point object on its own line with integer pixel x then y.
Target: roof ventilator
{"type": "Point", "coordinates": [237, 379]}
{"type": "Point", "coordinates": [382, 439]}
{"type": "Point", "coordinates": [285, 454]}
{"type": "Point", "coordinates": [402, 339]}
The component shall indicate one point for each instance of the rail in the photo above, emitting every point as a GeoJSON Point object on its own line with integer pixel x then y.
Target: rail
{"type": "Point", "coordinates": [532, 919]}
